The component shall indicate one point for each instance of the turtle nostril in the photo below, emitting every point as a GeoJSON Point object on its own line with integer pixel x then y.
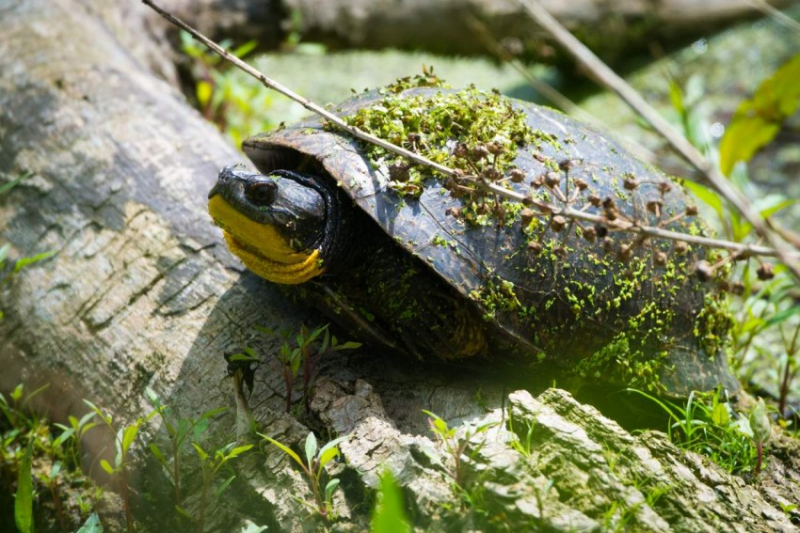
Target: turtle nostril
{"type": "Point", "coordinates": [260, 193]}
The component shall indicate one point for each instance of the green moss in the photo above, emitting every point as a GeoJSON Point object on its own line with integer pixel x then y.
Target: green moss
{"type": "Point", "coordinates": [713, 324]}
{"type": "Point", "coordinates": [471, 131]}
{"type": "Point", "coordinates": [497, 295]}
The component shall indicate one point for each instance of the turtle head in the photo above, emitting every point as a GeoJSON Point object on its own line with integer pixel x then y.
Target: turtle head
{"type": "Point", "coordinates": [276, 223]}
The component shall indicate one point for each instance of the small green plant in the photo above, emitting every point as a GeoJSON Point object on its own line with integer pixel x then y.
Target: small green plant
{"type": "Point", "coordinates": [766, 333]}
{"type": "Point", "coordinates": [523, 443]}
{"type": "Point", "coordinates": [761, 430]}
{"type": "Point", "coordinates": [71, 436]}
{"type": "Point", "coordinates": [389, 515]}
{"type": "Point", "coordinates": [455, 447]}
{"type": "Point", "coordinates": [180, 432]}
{"type": "Point", "coordinates": [25, 439]}
{"type": "Point", "coordinates": [770, 318]}
{"type": "Point", "coordinates": [211, 463]}
{"type": "Point", "coordinates": [314, 469]}
{"type": "Point", "coordinates": [619, 514]}
{"type": "Point", "coordinates": [125, 437]}
{"type": "Point", "coordinates": [709, 426]}
{"type": "Point", "coordinates": [306, 354]}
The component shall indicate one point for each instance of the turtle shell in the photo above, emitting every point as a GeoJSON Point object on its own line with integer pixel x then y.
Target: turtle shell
{"type": "Point", "coordinates": [600, 304]}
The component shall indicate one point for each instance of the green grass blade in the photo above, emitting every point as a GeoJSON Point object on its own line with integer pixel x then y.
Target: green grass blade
{"type": "Point", "coordinates": [23, 503]}
{"type": "Point", "coordinates": [389, 515]}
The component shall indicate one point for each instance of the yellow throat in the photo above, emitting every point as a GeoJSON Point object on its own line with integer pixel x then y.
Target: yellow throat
{"type": "Point", "coordinates": [262, 248]}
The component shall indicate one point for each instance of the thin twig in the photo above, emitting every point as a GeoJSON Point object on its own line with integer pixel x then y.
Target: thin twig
{"type": "Point", "coordinates": [618, 224]}
{"type": "Point", "coordinates": [634, 227]}
{"type": "Point", "coordinates": [308, 104]}
{"type": "Point", "coordinates": [611, 80]}
{"type": "Point", "coordinates": [548, 91]}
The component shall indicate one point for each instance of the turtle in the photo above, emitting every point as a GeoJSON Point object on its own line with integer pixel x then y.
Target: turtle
{"type": "Point", "coordinates": [448, 268]}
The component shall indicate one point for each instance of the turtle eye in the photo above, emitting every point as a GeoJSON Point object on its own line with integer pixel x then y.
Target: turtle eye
{"type": "Point", "coordinates": [260, 193]}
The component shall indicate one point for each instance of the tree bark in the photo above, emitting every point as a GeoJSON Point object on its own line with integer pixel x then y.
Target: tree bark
{"type": "Point", "coordinates": [141, 293]}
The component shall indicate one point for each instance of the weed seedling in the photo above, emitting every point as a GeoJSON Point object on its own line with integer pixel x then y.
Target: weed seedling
{"type": "Point", "coordinates": [455, 447]}
{"type": "Point", "coordinates": [710, 427]}
{"type": "Point", "coordinates": [179, 432]}
{"type": "Point", "coordinates": [123, 442]}
{"type": "Point", "coordinates": [313, 468]}
{"type": "Point", "coordinates": [306, 355]}
{"type": "Point", "coordinates": [211, 463]}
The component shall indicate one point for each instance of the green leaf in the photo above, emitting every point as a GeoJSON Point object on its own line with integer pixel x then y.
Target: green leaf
{"type": "Point", "coordinates": [4, 252]}
{"type": "Point", "coordinates": [757, 120]}
{"type": "Point", "coordinates": [782, 316]}
{"type": "Point", "coordinates": [265, 330]}
{"type": "Point", "coordinates": [128, 437]}
{"type": "Point", "coordinates": [349, 346]}
{"type": "Point", "coordinates": [23, 501]}
{"type": "Point", "coordinates": [82, 423]}
{"type": "Point", "coordinates": [204, 93]}
{"type": "Point", "coordinates": [285, 449]}
{"type": "Point", "coordinates": [329, 488]}
{"type": "Point", "coordinates": [239, 450]}
{"type": "Point", "coordinates": [200, 452]}
{"type": "Point", "coordinates": [720, 416]}
{"type": "Point", "coordinates": [244, 49]}
{"type": "Point", "coordinates": [326, 456]}
{"type": "Point", "coordinates": [92, 525]}
{"type": "Point", "coordinates": [55, 469]}
{"type": "Point", "coordinates": [25, 261]}
{"type": "Point", "coordinates": [389, 515]}
{"type": "Point", "coordinates": [16, 394]}
{"type": "Point", "coordinates": [311, 448]}
{"type": "Point", "coordinates": [13, 183]}
{"type": "Point", "coordinates": [105, 465]}
{"type": "Point", "coordinates": [332, 445]}
{"type": "Point", "coordinates": [676, 97]}
{"type": "Point", "coordinates": [65, 435]}
{"type": "Point", "coordinates": [225, 485]}
{"type": "Point", "coordinates": [156, 451]}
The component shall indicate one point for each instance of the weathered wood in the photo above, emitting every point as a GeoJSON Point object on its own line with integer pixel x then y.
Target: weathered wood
{"type": "Point", "coordinates": [140, 292]}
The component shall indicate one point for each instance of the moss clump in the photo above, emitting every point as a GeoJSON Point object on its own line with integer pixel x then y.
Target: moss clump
{"type": "Point", "coordinates": [470, 131]}
{"type": "Point", "coordinates": [713, 324]}
{"type": "Point", "coordinates": [631, 363]}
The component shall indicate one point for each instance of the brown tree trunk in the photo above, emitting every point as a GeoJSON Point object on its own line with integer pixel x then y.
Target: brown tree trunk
{"type": "Point", "coordinates": [141, 293]}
